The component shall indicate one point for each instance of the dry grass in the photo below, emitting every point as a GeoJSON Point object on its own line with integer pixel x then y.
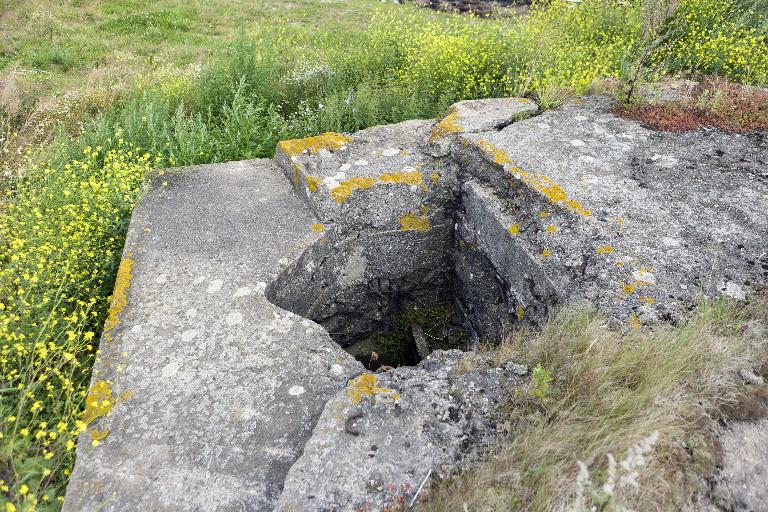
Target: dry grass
{"type": "Point", "coordinates": [609, 391]}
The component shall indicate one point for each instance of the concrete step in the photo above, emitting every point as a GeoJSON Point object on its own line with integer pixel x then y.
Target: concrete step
{"type": "Point", "coordinates": [205, 392]}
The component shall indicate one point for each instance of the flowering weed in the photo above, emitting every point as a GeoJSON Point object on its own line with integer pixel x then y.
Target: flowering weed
{"type": "Point", "coordinates": [61, 236]}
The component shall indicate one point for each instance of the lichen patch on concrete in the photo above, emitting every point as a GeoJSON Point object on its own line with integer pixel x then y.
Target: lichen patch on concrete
{"type": "Point", "coordinates": [330, 141]}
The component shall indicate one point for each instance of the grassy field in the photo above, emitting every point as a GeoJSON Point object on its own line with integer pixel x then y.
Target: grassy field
{"type": "Point", "coordinates": [51, 46]}
{"type": "Point", "coordinates": [94, 94]}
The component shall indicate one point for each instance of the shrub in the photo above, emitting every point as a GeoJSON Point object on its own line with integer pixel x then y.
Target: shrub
{"type": "Point", "coordinates": [725, 38]}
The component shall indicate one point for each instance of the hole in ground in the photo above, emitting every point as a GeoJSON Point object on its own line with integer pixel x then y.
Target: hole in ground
{"type": "Point", "coordinates": [391, 297]}
{"type": "Point", "coordinates": [416, 331]}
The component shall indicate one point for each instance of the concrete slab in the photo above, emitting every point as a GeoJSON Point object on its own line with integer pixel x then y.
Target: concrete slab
{"type": "Point", "coordinates": [639, 222]}
{"type": "Point", "coordinates": [205, 393]}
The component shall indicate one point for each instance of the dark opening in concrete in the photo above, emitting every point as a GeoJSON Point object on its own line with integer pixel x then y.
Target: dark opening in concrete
{"type": "Point", "coordinates": [390, 297]}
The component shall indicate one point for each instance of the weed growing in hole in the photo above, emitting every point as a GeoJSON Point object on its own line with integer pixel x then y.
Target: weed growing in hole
{"type": "Point", "coordinates": [540, 378]}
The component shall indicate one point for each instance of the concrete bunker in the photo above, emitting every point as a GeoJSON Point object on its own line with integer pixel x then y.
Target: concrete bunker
{"type": "Point", "coordinates": [399, 267]}
{"type": "Point", "coordinates": [390, 297]}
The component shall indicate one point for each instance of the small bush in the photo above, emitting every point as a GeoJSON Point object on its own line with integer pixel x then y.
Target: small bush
{"type": "Point", "coordinates": [714, 104]}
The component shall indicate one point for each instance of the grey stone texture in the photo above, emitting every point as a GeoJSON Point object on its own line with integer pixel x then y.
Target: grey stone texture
{"type": "Point", "coordinates": [637, 222]}
{"type": "Point", "coordinates": [218, 387]}
{"type": "Point", "coordinates": [387, 209]}
{"type": "Point", "coordinates": [380, 439]}
{"type": "Point", "coordinates": [742, 482]}
{"type": "Point", "coordinates": [229, 385]}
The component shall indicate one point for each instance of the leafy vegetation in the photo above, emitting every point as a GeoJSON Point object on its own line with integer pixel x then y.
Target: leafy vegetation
{"type": "Point", "coordinates": [194, 85]}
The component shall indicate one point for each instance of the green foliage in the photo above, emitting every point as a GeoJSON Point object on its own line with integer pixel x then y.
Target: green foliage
{"type": "Point", "coordinates": [398, 345]}
{"type": "Point", "coordinates": [158, 25]}
{"type": "Point", "coordinates": [540, 378]}
{"type": "Point", "coordinates": [724, 38]}
{"type": "Point", "coordinates": [60, 243]}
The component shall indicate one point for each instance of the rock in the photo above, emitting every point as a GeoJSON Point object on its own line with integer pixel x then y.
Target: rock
{"type": "Point", "coordinates": [638, 222]}
{"type": "Point", "coordinates": [741, 482]}
{"type": "Point", "coordinates": [382, 436]}
{"type": "Point", "coordinates": [473, 116]}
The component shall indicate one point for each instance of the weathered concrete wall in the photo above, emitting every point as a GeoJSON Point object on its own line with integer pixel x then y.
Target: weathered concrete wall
{"type": "Point", "coordinates": [572, 206]}
{"type": "Point", "coordinates": [386, 212]}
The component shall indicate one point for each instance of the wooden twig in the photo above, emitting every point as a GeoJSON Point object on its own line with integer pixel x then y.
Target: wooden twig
{"type": "Point", "coordinates": [418, 491]}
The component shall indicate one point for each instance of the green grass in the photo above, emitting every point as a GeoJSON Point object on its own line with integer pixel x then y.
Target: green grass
{"type": "Point", "coordinates": [89, 87]}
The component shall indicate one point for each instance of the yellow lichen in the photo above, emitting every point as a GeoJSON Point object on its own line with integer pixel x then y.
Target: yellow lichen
{"type": "Point", "coordinates": [403, 152]}
{"type": "Point", "coordinates": [365, 386]}
{"type": "Point", "coordinates": [313, 183]}
{"type": "Point", "coordinates": [342, 192]}
{"type": "Point", "coordinates": [296, 174]}
{"type": "Point", "coordinates": [645, 298]}
{"type": "Point", "coordinates": [551, 190]}
{"type": "Point", "coordinates": [520, 312]}
{"type": "Point", "coordinates": [546, 253]}
{"type": "Point", "coordinates": [317, 227]}
{"type": "Point", "coordinates": [99, 435]}
{"type": "Point", "coordinates": [412, 222]}
{"type": "Point", "coordinates": [449, 124]}
{"type": "Point", "coordinates": [435, 177]}
{"type": "Point", "coordinates": [551, 228]}
{"type": "Point", "coordinates": [119, 297]}
{"type": "Point", "coordinates": [628, 288]}
{"type": "Point", "coordinates": [98, 402]}
{"type": "Point", "coordinates": [543, 214]}
{"type": "Point", "coordinates": [577, 207]}
{"type": "Point", "coordinates": [634, 321]}
{"type": "Point", "coordinates": [604, 249]}
{"type": "Point", "coordinates": [514, 229]}
{"type": "Point", "coordinates": [330, 140]}
{"type": "Point", "coordinates": [405, 177]}
{"type": "Point", "coordinates": [498, 155]}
